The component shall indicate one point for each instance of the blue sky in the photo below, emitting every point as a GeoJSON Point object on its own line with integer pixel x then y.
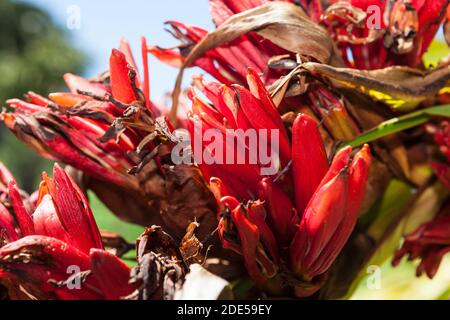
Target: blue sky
{"type": "Point", "coordinates": [103, 23]}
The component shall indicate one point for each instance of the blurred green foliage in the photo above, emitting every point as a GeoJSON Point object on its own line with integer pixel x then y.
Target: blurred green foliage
{"type": "Point", "coordinates": [108, 222]}
{"type": "Point", "coordinates": [34, 54]}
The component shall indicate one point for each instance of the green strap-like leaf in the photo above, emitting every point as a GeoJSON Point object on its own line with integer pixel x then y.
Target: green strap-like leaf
{"type": "Point", "coordinates": [399, 124]}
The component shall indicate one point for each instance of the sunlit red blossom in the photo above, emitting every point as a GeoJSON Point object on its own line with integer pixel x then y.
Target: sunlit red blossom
{"type": "Point", "coordinates": [228, 64]}
{"type": "Point", "coordinates": [41, 242]}
{"type": "Point", "coordinates": [69, 127]}
{"type": "Point", "coordinates": [108, 129]}
{"type": "Point", "coordinates": [302, 216]}
{"type": "Point", "coordinates": [370, 35]}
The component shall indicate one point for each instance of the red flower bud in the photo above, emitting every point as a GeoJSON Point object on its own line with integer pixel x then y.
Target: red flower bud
{"type": "Point", "coordinates": [281, 213]}
{"type": "Point", "coordinates": [309, 159]}
{"type": "Point", "coordinates": [121, 86]}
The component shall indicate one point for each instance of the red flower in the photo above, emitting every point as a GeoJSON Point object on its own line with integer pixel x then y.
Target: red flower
{"type": "Point", "coordinates": [70, 127]}
{"type": "Point", "coordinates": [108, 129]}
{"type": "Point", "coordinates": [43, 241]}
{"type": "Point", "coordinates": [405, 31]}
{"type": "Point", "coordinates": [228, 64]}
{"type": "Point", "coordinates": [302, 215]}
{"type": "Point", "coordinates": [429, 243]}
{"type": "Point", "coordinates": [370, 34]}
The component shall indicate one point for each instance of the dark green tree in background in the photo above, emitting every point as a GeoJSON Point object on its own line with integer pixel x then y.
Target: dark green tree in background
{"type": "Point", "coordinates": [34, 54]}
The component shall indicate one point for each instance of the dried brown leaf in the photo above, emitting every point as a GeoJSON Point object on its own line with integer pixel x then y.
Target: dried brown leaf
{"type": "Point", "coordinates": [400, 87]}
{"type": "Point", "coordinates": [283, 23]}
{"type": "Point", "coordinates": [159, 269]}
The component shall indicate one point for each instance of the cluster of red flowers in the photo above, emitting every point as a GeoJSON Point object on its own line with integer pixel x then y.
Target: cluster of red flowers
{"type": "Point", "coordinates": [47, 233]}
{"type": "Point", "coordinates": [304, 216]}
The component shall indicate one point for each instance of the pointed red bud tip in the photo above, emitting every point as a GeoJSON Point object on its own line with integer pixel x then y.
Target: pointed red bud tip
{"type": "Point", "coordinates": [124, 47]}
{"type": "Point", "coordinates": [358, 173]}
{"type": "Point", "coordinates": [121, 86]}
{"type": "Point", "coordinates": [340, 161]}
{"type": "Point", "coordinates": [218, 188]}
{"type": "Point", "coordinates": [111, 273]}
{"type": "Point", "coordinates": [259, 118]}
{"type": "Point", "coordinates": [260, 92]}
{"type": "Point", "coordinates": [199, 107]}
{"type": "Point", "coordinates": [74, 212]}
{"type": "Point", "coordinates": [22, 216]}
{"type": "Point", "coordinates": [309, 159]}
{"type": "Point", "coordinates": [357, 184]}
{"type": "Point", "coordinates": [146, 83]}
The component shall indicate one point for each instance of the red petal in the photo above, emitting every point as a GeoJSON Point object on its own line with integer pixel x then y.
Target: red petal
{"type": "Point", "coordinates": [7, 225]}
{"type": "Point", "coordinates": [50, 260]}
{"type": "Point", "coordinates": [320, 221]}
{"type": "Point", "coordinates": [357, 185]}
{"type": "Point", "coordinates": [124, 47]}
{"type": "Point", "coordinates": [257, 215]}
{"type": "Point", "coordinates": [111, 273]}
{"type": "Point", "coordinates": [60, 252]}
{"type": "Point", "coordinates": [46, 221]}
{"type": "Point", "coordinates": [260, 92]}
{"type": "Point", "coordinates": [36, 99]}
{"type": "Point", "coordinates": [249, 236]}
{"type": "Point", "coordinates": [23, 106]}
{"type": "Point", "coordinates": [146, 84]}
{"type": "Point", "coordinates": [259, 119]}
{"type": "Point", "coordinates": [121, 86]}
{"type": "Point", "coordinates": [22, 216]}
{"type": "Point", "coordinates": [168, 56]}
{"type": "Point", "coordinates": [309, 159]}
{"type": "Point", "coordinates": [76, 83]}
{"type": "Point", "coordinates": [74, 212]}
{"type": "Point", "coordinates": [282, 215]}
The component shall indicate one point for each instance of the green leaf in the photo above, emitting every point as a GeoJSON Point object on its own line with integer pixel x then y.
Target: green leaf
{"type": "Point", "coordinates": [425, 206]}
{"type": "Point", "coordinates": [435, 53]}
{"type": "Point", "coordinates": [377, 220]}
{"type": "Point", "coordinates": [399, 124]}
